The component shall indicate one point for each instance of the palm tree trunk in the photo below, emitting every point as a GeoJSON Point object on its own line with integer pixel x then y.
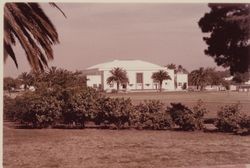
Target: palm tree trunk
{"type": "Point", "coordinates": [202, 87]}
{"type": "Point", "coordinates": [160, 86]}
{"type": "Point", "coordinates": [117, 86]}
{"type": "Point", "coordinates": [25, 86]}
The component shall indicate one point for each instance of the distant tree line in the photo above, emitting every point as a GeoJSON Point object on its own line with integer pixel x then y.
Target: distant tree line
{"type": "Point", "coordinates": [203, 77]}
{"type": "Point", "coordinates": [51, 78]}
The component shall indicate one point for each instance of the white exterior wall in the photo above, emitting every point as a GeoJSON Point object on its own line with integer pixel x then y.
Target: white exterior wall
{"type": "Point", "coordinates": [215, 88]}
{"type": "Point", "coordinates": [169, 84]}
{"type": "Point", "coordinates": [132, 80]}
{"type": "Point", "coordinates": [94, 79]}
{"type": "Point", "coordinates": [148, 83]}
{"type": "Point", "coordinates": [181, 79]}
{"type": "Point", "coordinates": [106, 86]}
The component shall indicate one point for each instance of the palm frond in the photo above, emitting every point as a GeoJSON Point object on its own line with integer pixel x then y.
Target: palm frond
{"type": "Point", "coordinates": [8, 13]}
{"type": "Point", "coordinates": [55, 5]}
{"type": "Point", "coordinates": [160, 76]}
{"type": "Point", "coordinates": [118, 75]}
{"type": "Point", "coordinates": [30, 25]}
{"type": "Point", "coordinates": [9, 51]}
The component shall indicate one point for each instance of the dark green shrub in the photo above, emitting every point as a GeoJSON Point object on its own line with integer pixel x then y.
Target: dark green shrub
{"type": "Point", "coordinates": [113, 111]}
{"type": "Point", "coordinates": [150, 115]}
{"type": "Point", "coordinates": [184, 86]}
{"type": "Point", "coordinates": [230, 119]}
{"type": "Point", "coordinates": [73, 112]}
{"type": "Point", "coordinates": [90, 99]}
{"type": "Point", "coordinates": [199, 111]}
{"type": "Point", "coordinates": [244, 126]}
{"type": "Point", "coordinates": [186, 118]}
{"type": "Point", "coordinates": [37, 111]}
{"type": "Point", "coordinates": [78, 105]}
{"type": "Point", "coordinates": [50, 107]}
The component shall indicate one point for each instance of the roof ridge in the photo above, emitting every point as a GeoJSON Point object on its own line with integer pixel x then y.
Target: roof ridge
{"type": "Point", "coordinates": [129, 63]}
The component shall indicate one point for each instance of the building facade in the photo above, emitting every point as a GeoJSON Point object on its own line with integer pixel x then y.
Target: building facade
{"type": "Point", "coordinates": [139, 74]}
{"type": "Point", "coordinates": [181, 81]}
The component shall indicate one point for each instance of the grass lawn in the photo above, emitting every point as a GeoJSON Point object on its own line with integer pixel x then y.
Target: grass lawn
{"type": "Point", "coordinates": [93, 148]}
{"type": "Point", "coordinates": [213, 100]}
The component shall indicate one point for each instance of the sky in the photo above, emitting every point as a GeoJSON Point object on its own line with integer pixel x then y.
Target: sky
{"type": "Point", "coordinates": [95, 33]}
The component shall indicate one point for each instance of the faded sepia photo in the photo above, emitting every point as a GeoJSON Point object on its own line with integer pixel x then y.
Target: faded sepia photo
{"type": "Point", "coordinates": [126, 85]}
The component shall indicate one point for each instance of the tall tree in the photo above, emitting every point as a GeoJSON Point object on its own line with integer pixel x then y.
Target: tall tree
{"type": "Point", "coordinates": [198, 78]}
{"type": "Point", "coordinates": [160, 76]}
{"type": "Point", "coordinates": [28, 23]}
{"type": "Point", "coordinates": [213, 77]}
{"type": "Point", "coordinates": [229, 29]}
{"type": "Point", "coordinates": [119, 76]}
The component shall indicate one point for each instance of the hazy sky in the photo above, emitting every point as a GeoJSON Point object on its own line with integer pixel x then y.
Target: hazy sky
{"type": "Point", "coordinates": [96, 33]}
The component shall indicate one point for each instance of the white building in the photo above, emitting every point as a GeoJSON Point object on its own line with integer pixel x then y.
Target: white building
{"type": "Point", "coordinates": [181, 81]}
{"type": "Point", "coordinates": [139, 74]}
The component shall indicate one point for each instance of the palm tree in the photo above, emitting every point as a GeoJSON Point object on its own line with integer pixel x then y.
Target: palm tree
{"type": "Point", "coordinates": [199, 78]}
{"type": "Point", "coordinates": [58, 77]}
{"type": "Point", "coordinates": [160, 76]}
{"type": "Point", "coordinates": [27, 79]}
{"type": "Point", "coordinates": [27, 23]}
{"type": "Point", "coordinates": [119, 76]}
{"type": "Point", "coordinates": [171, 66]}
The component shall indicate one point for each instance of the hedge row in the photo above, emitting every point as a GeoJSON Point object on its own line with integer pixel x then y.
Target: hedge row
{"type": "Point", "coordinates": [74, 107]}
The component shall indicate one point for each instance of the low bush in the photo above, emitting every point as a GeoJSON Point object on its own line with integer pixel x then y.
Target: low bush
{"type": "Point", "coordinates": [78, 106]}
{"type": "Point", "coordinates": [186, 118]}
{"type": "Point", "coordinates": [230, 119]}
{"type": "Point", "coordinates": [150, 115]}
{"type": "Point", "coordinates": [244, 126]}
{"type": "Point", "coordinates": [73, 109]}
{"type": "Point", "coordinates": [71, 106]}
{"type": "Point", "coordinates": [199, 111]}
{"type": "Point", "coordinates": [111, 111]}
{"type": "Point", "coordinates": [37, 111]}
